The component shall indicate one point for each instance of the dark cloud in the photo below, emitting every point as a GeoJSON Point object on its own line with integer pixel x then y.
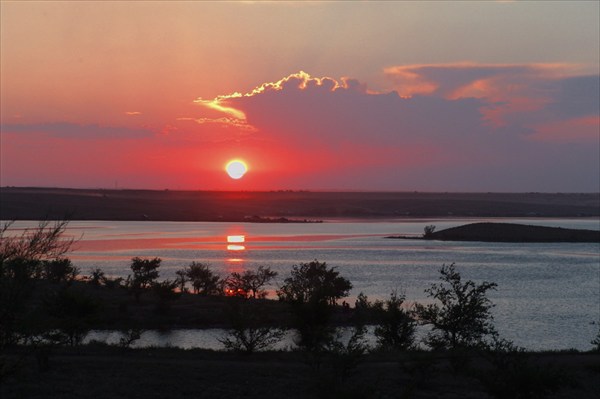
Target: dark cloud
{"type": "Point", "coordinates": [78, 132]}
{"type": "Point", "coordinates": [474, 131]}
{"type": "Point", "coordinates": [575, 97]}
{"type": "Point", "coordinates": [319, 114]}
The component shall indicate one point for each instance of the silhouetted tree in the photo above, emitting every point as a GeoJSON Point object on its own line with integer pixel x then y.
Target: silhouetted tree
{"type": "Point", "coordinates": [396, 327]}
{"type": "Point", "coordinates": [97, 277]}
{"type": "Point", "coordinates": [21, 257]}
{"type": "Point", "coordinates": [44, 242]}
{"type": "Point", "coordinates": [117, 282]}
{"type": "Point", "coordinates": [335, 367]}
{"type": "Point", "coordinates": [16, 289]}
{"type": "Point", "coordinates": [73, 313]}
{"type": "Point", "coordinates": [314, 282]}
{"type": "Point", "coordinates": [248, 333]}
{"type": "Point", "coordinates": [130, 335]}
{"type": "Point", "coordinates": [145, 272]}
{"type": "Point", "coordinates": [21, 270]}
{"type": "Point", "coordinates": [596, 341]}
{"type": "Point", "coordinates": [250, 283]}
{"type": "Point", "coordinates": [204, 281]}
{"type": "Point", "coordinates": [181, 280]}
{"type": "Point", "coordinates": [165, 291]}
{"type": "Point", "coordinates": [428, 231]}
{"type": "Point", "coordinates": [312, 290]}
{"type": "Point", "coordinates": [59, 270]}
{"type": "Point", "coordinates": [463, 317]}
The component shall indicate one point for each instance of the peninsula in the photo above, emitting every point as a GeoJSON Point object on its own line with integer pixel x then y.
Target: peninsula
{"type": "Point", "coordinates": [510, 232]}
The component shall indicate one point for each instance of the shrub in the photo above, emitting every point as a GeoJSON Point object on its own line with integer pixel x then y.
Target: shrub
{"type": "Point", "coordinates": [335, 367]}
{"type": "Point", "coordinates": [145, 273]}
{"type": "Point", "coordinates": [129, 337]}
{"type": "Point", "coordinates": [396, 327]}
{"type": "Point", "coordinates": [22, 258]}
{"type": "Point", "coordinates": [463, 317]}
{"type": "Point", "coordinates": [314, 283]}
{"type": "Point", "coordinates": [165, 291]}
{"type": "Point", "coordinates": [250, 283]}
{"type": "Point", "coordinates": [204, 281]}
{"type": "Point", "coordinates": [73, 313]}
{"type": "Point", "coordinates": [20, 270]}
{"type": "Point", "coordinates": [97, 277]}
{"type": "Point", "coordinates": [247, 333]}
{"type": "Point", "coordinates": [512, 375]}
{"type": "Point", "coordinates": [59, 270]}
{"type": "Point", "coordinates": [312, 289]}
{"type": "Point", "coordinates": [596, 342]}
{"type": "Point", "coordinates": [181, 280]}
{"type": "Point", "coordinates": [113, 283]}
{"type": "Point", "coordinates": [44, 242]}
{"type": "Point", "coordinates": [428, 231]}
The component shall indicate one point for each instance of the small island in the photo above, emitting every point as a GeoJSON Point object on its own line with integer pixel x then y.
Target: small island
{"type": "Point", "coordinates": [507, 232]}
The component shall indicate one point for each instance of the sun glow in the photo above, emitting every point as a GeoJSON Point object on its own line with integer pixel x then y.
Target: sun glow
{"type": "Point", "coordinates": [236, 169]}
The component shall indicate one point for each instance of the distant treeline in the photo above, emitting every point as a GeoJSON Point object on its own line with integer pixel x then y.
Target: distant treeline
{"type": "Point", "coordinates": [229, 206]}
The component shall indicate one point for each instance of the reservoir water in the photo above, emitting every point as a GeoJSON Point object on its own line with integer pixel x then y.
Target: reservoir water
{"type": "Point", "coordinates": [548, 295]}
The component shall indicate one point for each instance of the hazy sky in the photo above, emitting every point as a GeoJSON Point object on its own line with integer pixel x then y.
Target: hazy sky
{"type": "Point", "coordinates": [437, 96]}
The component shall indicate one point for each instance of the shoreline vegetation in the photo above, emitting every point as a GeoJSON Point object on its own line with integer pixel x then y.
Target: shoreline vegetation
{"type": "Point", "coordinates": [30, 203]}
{"type": "Point", "coordinates": [507, 232]}
{"type": "Point", "coordinates": [47, 307]}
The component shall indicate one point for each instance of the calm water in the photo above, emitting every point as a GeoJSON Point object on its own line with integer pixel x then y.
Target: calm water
{"type": "Point", "coordinates": [548, 295]}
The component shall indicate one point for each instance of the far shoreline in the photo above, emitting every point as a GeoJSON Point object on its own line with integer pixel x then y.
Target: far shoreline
{"type": "Point", "coordinates": [17, 203]}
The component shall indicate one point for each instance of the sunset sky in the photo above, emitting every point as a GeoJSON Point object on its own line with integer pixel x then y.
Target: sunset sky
{"type": "Point", "coordinates": [398, 96]}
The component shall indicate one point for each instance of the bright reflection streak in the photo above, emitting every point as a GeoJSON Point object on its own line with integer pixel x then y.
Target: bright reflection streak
{"type": "Point", "coordinates": [236, 239]}
{"type": "Point", "coordinates": [232, 247]}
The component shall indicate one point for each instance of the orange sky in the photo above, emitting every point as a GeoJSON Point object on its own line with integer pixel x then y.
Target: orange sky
{"type": "Point", "coordinates": [438, 96]}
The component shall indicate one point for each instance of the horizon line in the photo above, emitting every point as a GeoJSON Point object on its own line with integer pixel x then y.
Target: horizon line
{"type": "Point", "coordinates": [332, 190]}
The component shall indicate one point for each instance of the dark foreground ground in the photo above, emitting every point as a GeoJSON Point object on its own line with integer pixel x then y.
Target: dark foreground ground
{"type": "Point", "coordinates": [109, 372]}
{"type": "Point", "coordinates": [101, 371]}
{"type": "Point", "coordinates": [44, 203]}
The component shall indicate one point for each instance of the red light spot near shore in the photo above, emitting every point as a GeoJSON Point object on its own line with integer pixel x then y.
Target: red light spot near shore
{"type": "Point", "coordinates": [238, 292]}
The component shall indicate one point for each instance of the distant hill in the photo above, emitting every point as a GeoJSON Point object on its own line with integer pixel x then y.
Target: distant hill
{"type": "Point", "coordinates": [510, 232]}
{"type": "Point", "coordinates": [77, 204]}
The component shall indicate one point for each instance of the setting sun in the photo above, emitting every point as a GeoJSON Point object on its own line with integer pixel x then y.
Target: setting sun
{"type": "Point", "coordinates": [236, 169]}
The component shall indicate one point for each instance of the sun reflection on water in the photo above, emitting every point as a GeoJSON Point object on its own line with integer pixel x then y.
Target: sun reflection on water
{"type": "Point", "coordinates": [236, 238]}
{"type": "Point", "coordinates": [232, 247]}
{"type": "Point", "coordinates": [235, 243]}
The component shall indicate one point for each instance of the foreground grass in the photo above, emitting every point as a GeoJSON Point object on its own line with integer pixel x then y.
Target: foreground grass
{"type": "Point", "coordinates": [102, 371]}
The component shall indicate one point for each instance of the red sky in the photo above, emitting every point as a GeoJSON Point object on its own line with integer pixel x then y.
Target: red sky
{"type": "Point", "coordinates": [489, 96]}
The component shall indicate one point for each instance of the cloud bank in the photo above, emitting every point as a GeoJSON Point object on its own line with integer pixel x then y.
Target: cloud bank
{"type": "Point", "coordinates": [444, 127]}
{"type": "Point", "coordinates": [456, 127]}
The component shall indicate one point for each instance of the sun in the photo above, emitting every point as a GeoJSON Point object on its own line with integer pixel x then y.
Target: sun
{"type": "Point", "coordinates": [236, 169]}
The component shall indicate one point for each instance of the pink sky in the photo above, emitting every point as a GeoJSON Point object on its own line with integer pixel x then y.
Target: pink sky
{"type": "Point", "coordinates": [399, 96]}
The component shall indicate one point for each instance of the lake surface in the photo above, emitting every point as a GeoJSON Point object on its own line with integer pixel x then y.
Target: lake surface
{"type": "Point", "coordinates": [548, 295]}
